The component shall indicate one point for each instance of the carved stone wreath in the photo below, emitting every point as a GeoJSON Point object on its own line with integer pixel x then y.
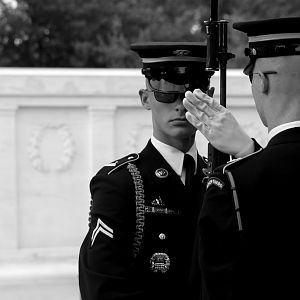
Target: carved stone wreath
{"type": "Point", "coordinates": [68, 148]}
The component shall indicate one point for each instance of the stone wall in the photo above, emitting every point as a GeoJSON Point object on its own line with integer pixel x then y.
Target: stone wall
{"type": "Point", "coordinates": [58, 127]}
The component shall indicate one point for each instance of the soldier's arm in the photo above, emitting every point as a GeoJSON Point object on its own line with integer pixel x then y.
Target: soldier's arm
{"type": "Point", "coordinates": [105, 260]}
{"type": "Point", "coordinates": [218, 237]}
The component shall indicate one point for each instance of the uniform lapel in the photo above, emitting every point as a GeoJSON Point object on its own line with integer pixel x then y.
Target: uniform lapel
{"type": "Point", "coordinates": [164, 182]}
{"type": "Point", "coordinates": [161, 178]}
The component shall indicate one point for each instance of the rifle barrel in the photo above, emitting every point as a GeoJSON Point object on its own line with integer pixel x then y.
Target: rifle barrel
{"type": "Point", "coordinates": [217, 57]}
{"type": "Point", "coordinates": [214, 10]}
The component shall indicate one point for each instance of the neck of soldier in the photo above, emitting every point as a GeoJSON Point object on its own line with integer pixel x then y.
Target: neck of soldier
{"type": "Point", "coordinates": [183, 144]}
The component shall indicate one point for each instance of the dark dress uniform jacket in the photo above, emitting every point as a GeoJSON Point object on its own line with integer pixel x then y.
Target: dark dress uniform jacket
{"type": "Point", "coordinates": [258, 257]}
{"type": "Point", "coordinates": [126, 256]}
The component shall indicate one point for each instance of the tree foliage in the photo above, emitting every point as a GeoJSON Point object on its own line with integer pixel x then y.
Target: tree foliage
{"type": "Point", "coordinates": [98, 33]}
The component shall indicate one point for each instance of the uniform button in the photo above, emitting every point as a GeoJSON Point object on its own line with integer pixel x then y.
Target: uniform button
{"type": "Point", "coordinates": [162, 236]}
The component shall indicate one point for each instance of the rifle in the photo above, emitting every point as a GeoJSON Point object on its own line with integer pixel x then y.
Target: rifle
{"type": "Point", "coordinates": [217, 57]}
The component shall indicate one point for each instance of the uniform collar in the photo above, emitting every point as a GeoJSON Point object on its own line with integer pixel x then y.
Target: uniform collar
{"type": "Point", "coordinates": [173, 156]}
{"type": "Point", "coordinates": [282, 127]}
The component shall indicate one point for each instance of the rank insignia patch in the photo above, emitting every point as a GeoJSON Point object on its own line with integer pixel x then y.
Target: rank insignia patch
{"type": "Point", "coordinates": [216, 182]}
{"type": "Point", "coordinates": [101, 227]}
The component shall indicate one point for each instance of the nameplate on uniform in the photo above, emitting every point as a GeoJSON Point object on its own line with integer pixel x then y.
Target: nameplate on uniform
{"type": "Point", "coordinates": [161, 210]}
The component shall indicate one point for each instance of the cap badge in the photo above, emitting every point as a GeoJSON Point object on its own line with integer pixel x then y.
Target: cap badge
{"type": "Point", "coordinates": [160, 262]}
{"type": "Point", "coordinates": [253, 51]}
{"type": "Point", "coordinates": [250, 52]}
{"type": "Point", "coordinates": [161, 173]}
{"type": "Point", "coordinates": [181, 52]}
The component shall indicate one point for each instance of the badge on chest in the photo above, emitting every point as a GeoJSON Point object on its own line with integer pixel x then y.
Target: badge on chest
{"type": "Point", "coordinates": [160, 262]}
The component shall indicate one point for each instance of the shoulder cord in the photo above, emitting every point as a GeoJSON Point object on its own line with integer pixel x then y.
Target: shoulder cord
{"type": "Point", "coordinates": [235, 199]}
{"type": "Point", "coordinates": [140, 207]}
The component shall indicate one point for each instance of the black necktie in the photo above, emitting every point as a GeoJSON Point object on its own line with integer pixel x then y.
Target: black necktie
{"type": "Point", "coordinates": [189, 165]}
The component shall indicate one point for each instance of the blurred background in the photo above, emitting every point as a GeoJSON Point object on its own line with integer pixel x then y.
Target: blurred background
{"type": "Point", "coordinates": [97, 33]}
{"type": "Point", "coordinates": [69, 104]}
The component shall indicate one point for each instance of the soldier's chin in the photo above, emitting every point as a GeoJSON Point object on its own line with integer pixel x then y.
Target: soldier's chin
{"type": "Point", "coordinates": [184, 131]}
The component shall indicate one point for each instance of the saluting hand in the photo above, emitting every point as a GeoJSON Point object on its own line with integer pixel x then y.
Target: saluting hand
{"type": "Point", "coordinates": [217, 124]}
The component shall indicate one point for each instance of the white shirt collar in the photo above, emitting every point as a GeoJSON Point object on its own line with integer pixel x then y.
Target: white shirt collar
{"type": "Point", "coordinates": [173, 156]}
{"type": "Point", "coordinates": [282, 127]}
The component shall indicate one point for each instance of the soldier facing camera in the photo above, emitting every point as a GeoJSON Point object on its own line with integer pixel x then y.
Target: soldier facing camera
{"type": "Point", "coordinates": [145, 205]}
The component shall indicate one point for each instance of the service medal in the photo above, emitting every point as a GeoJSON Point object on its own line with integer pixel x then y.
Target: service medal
{"type": "Point", "coordinates": [160, 262]}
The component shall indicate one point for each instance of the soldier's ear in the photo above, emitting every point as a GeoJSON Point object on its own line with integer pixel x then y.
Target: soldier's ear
{"type": "Point", "coordinates": [145, 99]}
{"type": "Point", "coordinates": [210, 92]}
{"type": "Point", "coordinates": [263, 83]}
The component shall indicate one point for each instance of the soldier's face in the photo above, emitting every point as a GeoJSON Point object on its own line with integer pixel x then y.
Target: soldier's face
{"type": "Point", "coordinates": [168, 112]}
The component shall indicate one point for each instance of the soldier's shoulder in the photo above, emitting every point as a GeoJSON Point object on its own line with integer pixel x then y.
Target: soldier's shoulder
{"type": "Point", "coordinates": [222, 174]}
{"type": "Point", "coordinates": [238, 161]}
{"type": "Point", "coordinates": [119, 164]}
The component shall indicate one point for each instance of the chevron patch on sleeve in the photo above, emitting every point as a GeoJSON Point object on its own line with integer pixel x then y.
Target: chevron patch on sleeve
{"type": "Point", "coordinates": [101, 227]}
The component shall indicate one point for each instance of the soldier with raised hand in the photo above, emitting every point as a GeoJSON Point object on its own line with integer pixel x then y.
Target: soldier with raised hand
{"type": "Point", "coordinates": [247, 244]}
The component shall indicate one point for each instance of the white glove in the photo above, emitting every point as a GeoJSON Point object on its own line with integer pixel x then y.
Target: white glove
{"type": "Point", "coordinates": [217, 124]}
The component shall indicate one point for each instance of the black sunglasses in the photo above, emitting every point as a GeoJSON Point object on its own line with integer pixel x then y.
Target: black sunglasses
{"type": "Point", "coordinates": [167, 97]}
{"type": "Point", "coordinates": [265, 73]}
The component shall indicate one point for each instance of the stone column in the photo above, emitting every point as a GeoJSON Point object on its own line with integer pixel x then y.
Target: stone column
{"type": "Point", "coordinates": [102, 133]}
{"type": "Point", "coordinates": [8, 186]}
